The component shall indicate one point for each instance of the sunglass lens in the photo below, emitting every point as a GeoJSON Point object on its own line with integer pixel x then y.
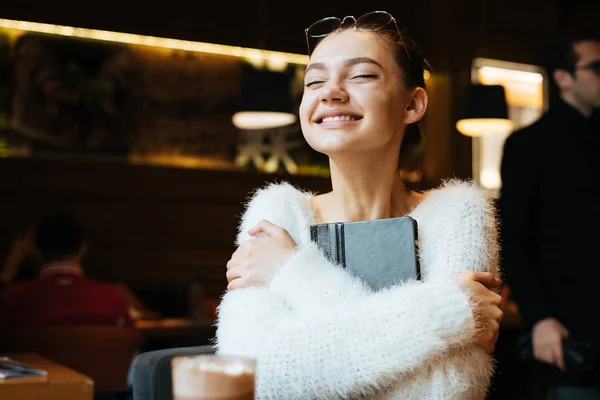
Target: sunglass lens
{"type": "Point", "coordinates": [374, 20]}
{"type": "Point", "coordinates": [324, 27]}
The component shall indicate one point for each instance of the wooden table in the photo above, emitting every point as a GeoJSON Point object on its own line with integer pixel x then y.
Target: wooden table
{"type": "Point", "coordinates": [61, 383]}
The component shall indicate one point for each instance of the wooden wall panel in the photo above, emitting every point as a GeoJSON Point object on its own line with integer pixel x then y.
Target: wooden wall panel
{"type": "Point", "coordinates": [150, 227]}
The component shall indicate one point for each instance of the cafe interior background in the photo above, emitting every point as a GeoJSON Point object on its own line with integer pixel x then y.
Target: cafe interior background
{"type": "Point", "coordinates": [125, 114]}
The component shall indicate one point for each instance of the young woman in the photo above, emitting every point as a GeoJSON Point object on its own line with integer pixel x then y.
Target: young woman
{"type": "Point", "coordinates": [320, 333]}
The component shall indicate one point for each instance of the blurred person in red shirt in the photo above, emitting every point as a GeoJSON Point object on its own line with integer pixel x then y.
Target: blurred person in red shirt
{"type": "Point", "coordinates": [61, 294]}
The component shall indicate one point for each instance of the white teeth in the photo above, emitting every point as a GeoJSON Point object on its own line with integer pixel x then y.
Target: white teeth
{"type": "Point", "coordinates": [339, 118]}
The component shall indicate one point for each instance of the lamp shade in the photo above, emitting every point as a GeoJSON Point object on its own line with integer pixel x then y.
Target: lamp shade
{"type": "Point", "coordinates": [485, 111]}
{"type": "Point", "coordinates": [265, 100]}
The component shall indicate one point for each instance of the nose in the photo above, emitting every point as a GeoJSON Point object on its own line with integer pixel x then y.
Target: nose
{"type": "Point", "coordinates": [333, 92]}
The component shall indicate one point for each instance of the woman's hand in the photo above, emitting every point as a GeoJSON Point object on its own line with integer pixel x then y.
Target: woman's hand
{"type": "Point", "coordinates": [259, 259]}
{"type": "Point", "coordinates": [486, 306]}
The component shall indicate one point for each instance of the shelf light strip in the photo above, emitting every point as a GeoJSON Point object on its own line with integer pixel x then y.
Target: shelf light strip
{"type": "Point", "coordinates": [177, 44]}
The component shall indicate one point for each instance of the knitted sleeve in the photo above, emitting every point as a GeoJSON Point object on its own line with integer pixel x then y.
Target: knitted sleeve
{"type": "Point", "coordinates": [346, 347]}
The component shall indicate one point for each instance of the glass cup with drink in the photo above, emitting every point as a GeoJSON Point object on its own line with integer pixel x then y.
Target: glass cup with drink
{"type": "Point", "coordinates": [212, 377]}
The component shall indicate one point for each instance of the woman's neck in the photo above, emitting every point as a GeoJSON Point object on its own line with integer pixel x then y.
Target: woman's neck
{"type": "Point", "coordinates": [364, 191]}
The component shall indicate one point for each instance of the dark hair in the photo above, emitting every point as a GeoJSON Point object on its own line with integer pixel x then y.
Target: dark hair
{"type": "Point", "coordinates": [411, 60]}
{"type": "Point", "coordinates": [561, 54]}
{"type": "Point", "coordinates": [58, 235]}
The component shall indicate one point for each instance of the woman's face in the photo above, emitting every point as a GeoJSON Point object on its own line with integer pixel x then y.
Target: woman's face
{"type": "Point", "coordinates": [354, 99]}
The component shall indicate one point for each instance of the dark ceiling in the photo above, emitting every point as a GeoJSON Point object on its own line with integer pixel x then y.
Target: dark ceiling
{"type": "Point", "coordinates": [279, 25]}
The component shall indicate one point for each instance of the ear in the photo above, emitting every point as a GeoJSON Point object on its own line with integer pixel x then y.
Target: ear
{"type": "Point", "coordinates": [563, 79]}
{"type": "Point", "coordinates": [415, 110]}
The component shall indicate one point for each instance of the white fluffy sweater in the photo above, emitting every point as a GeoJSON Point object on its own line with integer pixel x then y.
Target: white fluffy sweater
{"type": "Point", "coordinates": [320, 333]}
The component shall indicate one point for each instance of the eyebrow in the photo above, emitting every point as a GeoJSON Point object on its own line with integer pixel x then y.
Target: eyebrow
{"type": "Point", "coordinates": [348, 63]}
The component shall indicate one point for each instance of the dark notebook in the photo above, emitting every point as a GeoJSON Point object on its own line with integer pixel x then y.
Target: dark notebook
{"type": "Point", "coordinates": [381, 252]}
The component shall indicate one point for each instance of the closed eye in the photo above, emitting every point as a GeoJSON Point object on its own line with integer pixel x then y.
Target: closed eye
{"type": "Point", "coordinates": [313, 83]}
{"type": "Point", "coordinates": [365, 76]}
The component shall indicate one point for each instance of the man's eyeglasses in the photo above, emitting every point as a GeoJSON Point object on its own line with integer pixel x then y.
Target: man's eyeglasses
{"type": "Point", "coordinates": [593, 66]}
{"type": "Point", "coordinates": [373, 21]}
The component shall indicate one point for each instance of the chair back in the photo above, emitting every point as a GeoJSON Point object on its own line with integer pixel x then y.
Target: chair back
{"type": "Point", "coordinates": [152, 371]}
{"type": "Point", "coordinates": [104, 353]}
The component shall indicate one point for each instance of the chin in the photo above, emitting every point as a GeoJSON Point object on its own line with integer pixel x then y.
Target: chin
{"type": "Point", "coordinates": [330, 142]}
{"type": "Point", "coordinates": [329, 149]}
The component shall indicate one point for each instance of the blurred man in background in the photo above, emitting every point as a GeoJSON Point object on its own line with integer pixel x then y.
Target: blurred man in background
{"type": "Point", "coordinates": [61, 294]}
{"type": "Point", "coordinates": [550, 216]}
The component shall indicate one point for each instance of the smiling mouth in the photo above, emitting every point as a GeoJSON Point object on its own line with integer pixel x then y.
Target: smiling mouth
{"type": "Point", "coordinates": [345, 118]}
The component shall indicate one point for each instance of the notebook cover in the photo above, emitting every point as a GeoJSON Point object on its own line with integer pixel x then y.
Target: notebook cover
{"type": "Point", "coordinates": [381, 252]}
{"type": "Point", "coordinates": [10, 368]}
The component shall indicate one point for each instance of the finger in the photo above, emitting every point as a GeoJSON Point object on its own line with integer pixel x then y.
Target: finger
{"type": "Point", "coordinates": [549, 356]}
{"type": "Point", "coordinates": [496, 299]}
{"type": "Point", "coordinates": [494, 326]}
{"type": "Point", "coordinates": [485, 278]}
{"type": "Point", "coordinates": [232, 275]}
{"type": "Point", "coordinates": [235, 284]}
{"type": "Point", "coordinates": [233, 262]}
{"type": "Point", "coordinates": [489, 348]}
{"type": "Point", "coordinates": [499, 315]}
{"type": "Point", "coordinates": [559, 357]}
{"type": "Point", "coordinates": [238, 283]}
{"type": "Point", "coordinates": [266, 227]}
{"type": "Point", "coordinates": [545, 355]}
{"type": "Point", "coordinates": [541, 354]}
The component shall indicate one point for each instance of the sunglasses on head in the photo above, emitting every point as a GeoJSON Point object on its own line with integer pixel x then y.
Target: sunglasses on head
{"type": "Point", "coordinates": [593, 66]}
{"type": "Point", "coordinates": [372, 21]}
